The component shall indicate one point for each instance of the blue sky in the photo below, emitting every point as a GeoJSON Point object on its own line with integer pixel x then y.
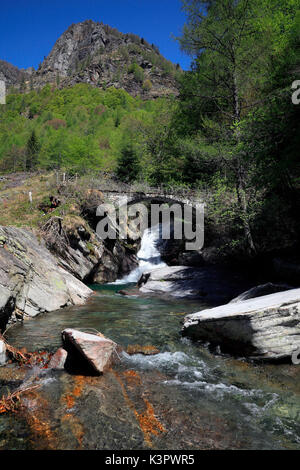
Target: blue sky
{"type": "Point", "coordinates": [29, 28]}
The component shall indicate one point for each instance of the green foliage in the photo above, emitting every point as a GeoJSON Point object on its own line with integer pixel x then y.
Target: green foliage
{"type": "Point", "coordinates": [137, 71]}
{"type": "Point", "coordinates": [235, 117]}
{"type": "Point", "coordinates": [32, 151]}
{"type": "Point", "coordinates": [147, 85]}
{"type": "Point", "coordinates": [128, 167]}
{"type": "Point", "coordinates": [78, 128]}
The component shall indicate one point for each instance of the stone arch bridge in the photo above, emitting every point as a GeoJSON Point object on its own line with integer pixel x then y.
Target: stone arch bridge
{"type": "Point", "coordinates": [120, 198]}
{"type": "Point", "coordinates": [192, 220]}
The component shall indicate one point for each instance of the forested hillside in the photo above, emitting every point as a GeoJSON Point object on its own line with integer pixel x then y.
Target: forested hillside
{"type": "Point", "coordinates": [236, 107]}
{"type": "Point", "coordinates": [233, 133]}
{"type": "Point", "coordinates": [77, 128]}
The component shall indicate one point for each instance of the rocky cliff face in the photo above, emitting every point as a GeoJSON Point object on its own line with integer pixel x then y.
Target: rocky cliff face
{"type": "Point", "coordinates": [32, 281]}
{"type": "Point", "coordinates": [45, 272]}
{"type": "Point", "coordinates": [13, 75]}
{"type": "Point", "coordinates": [102, 56]}
{"type": "Point", "coordinates": [80, 252]}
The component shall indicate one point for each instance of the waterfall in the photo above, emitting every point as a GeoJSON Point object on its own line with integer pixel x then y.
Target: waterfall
{"type": "Point", "coordinates": [148, 256]}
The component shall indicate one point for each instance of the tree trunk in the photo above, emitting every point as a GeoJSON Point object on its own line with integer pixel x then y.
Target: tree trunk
{"type": "Point", "coordinates": [241, 191]}
{"type": "Point", "coordinates": [242, 199]}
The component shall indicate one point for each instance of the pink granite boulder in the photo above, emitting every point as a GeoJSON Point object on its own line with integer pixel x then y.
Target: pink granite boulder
{"type": "Point", "coordinates": [100, 352]}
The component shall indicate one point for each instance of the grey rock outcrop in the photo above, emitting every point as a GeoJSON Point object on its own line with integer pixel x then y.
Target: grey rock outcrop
{"type": "Point", "coordinates": [12, 75]}
{"type": "Point", "coordinates": [266, 327]}
{"type": "Point", "coordinates": [31, 279]}
{"type": "Point", "coordinates": [101, 56]}
{"type": "Point", "coordinates": [74, 245]}
{"type": "Point", "coordinates": [82, 253]}
{"type": "Point", "coordinates": [209, 283]}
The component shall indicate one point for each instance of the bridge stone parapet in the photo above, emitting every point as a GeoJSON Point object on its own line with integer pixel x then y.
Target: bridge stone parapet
{"type": "Point", "coordinates": [119, 199]}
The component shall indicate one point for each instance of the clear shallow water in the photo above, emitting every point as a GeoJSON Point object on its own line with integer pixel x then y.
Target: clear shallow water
{"type": "Point", "coordinates": [124, 319]}
{"type": "Point", "coordinates": [259, 406]}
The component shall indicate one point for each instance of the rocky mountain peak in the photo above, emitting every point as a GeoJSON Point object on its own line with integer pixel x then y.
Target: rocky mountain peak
{"type": "Point", "coordinates": [102, 56]}
{"type": "Point", "coordinates": [80, 41]}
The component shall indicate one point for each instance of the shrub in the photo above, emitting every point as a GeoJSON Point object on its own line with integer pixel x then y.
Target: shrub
{"type": "Point", "coordinates": [100, 109]}
{"type": "Point", "coordinates": [147, 85]}
{"type": "Point", "coordinates": [56, 123]}
{"type": "Point", "coordinates": [137, 71]}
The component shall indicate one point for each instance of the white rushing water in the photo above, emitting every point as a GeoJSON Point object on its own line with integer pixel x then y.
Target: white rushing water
{"type": "Point", "coordinates": [148, 256]}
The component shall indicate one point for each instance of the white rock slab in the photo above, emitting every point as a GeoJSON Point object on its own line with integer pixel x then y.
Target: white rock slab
{"type": "Point", "coordinates": [263, 327]}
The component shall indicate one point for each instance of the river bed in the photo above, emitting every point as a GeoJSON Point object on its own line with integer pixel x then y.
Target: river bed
{"type": "Point", "coordinates": [186, 397]}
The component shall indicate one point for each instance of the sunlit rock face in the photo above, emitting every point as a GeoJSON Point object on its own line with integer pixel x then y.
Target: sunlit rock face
{"type": "Point", "coordinates": [102, 56]}
{"type": "Point", "coordinates": [32, 280]}
{"type": "Point", "coordinates": [266, 327]}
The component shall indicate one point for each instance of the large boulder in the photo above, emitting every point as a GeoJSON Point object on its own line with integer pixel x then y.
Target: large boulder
{"type": "Point", "coordinates": [31, 279]}
{"type": "Point", "coordinates": [266, 327]}
{"type": "Point", "coordinates": [213, 285]}
{"type": "Point", "coordinates": [97, 351]}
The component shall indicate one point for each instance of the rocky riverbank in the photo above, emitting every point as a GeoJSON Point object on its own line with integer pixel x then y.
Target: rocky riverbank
{"type": "Point", "coordinates": [47, 261]}
{"type": "Point", "coordinates": [35, 279]}
{"type": "Point", "coordinates": [46, 268]}
{"type": "Point", "coordinates": [266, 327]}
{"type": "Point", "coordinates": [32, 281]}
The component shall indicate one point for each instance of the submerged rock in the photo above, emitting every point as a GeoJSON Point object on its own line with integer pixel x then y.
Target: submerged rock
{"type": "Point", "coordinates": [99, 352]}
{"type": "Point", "coordinates": [31, 279]}
{"type": "Point", "coordinates": [259, 291]}
{"type": "Point", "coordinates": [266, 327]}
{"type": "Point", "coordinates": [145, 350]}
{"type": "Point", "coordinates": [58, 360]}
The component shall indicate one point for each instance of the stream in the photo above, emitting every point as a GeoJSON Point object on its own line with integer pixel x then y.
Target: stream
{"type": "Point", "coordinates": [185, 397]}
